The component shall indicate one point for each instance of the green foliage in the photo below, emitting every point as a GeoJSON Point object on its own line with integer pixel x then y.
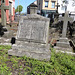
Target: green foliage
{"type": "Point", "coordinates": [4, 47]}
{"type": "Point", "coordinates": [63, 63]}
{"type": "Point", "coordinates": [4, 70]}
{"type": "Point", "coordinates": [59, 64]}
{"type": "Point", "coordinates": [19, 8]}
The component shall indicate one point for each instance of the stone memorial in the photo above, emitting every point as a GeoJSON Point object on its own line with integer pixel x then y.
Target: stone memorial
{"type": "Point", "coordinates": [32, 38]}
{"type": "Point", "coordinates": [33, 9]}
{"type": "Point", "coordinates": [4, 28]}
{"type": "Point", "coordinates": [3, 8]}
{"type": "Point", "coordinates": [63, 43]}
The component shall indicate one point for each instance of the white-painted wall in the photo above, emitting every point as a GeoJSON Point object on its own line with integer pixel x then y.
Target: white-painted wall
{"type": "Point", "coordinates": [70, 8]}
{"type": "Point", "coordinates": [61, 9]}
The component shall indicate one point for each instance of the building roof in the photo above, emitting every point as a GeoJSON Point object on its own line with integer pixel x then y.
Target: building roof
{"type": "Point", "coordinates": [33, 5]}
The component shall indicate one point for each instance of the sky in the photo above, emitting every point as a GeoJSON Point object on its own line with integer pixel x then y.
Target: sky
{"type": "Point", "coordinates": [24, 3]}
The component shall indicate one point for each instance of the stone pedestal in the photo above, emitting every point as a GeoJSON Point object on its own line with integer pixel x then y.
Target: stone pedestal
{"type": "Point", "coordinates": [63, 44]}
{"type": "Point", "coordinates": [31, 49]}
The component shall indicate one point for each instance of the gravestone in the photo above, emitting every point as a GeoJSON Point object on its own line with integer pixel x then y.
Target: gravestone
{"type": "Point", "coordinates": [32, 38]}
{"type": "Point", "coordinates": [63, 43]}
{"type": "Point", "coordinates": [3, 8]}
{"type": "Point", "coordinates": [32, 9]}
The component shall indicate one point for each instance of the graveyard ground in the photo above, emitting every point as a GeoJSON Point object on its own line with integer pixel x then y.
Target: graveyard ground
{"type": "Point", "coordinates": [59, 64]}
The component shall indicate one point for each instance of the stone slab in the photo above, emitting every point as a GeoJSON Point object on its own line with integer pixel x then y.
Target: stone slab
{"type": "Point", "coordinates": [63, 49]}
{"type": "Point", "coordinates": [33, 50]}
{"type": "Point", "coordinates": [39, 56]}
{"type": "Point", "coordinates": [33, 28]}
{"type": "Point", "coordinates": [65, 52]}
{"type": "Point", "coordinates": [63, 42]}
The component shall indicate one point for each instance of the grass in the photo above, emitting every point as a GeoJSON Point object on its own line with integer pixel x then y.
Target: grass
{"type": "Point", "coordinates": [59, 64]}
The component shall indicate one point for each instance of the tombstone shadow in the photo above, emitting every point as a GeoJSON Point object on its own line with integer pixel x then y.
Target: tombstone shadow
{"type": "Point", "coordinates": [2, 30]}
{"type": "Point", "coordinates": [13, 40]}
{"type": "Point", "coordinates": [72, 45]}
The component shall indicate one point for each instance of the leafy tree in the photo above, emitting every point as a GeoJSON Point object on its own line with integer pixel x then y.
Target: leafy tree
{"type": "Point", "coordinates": [19, 9]}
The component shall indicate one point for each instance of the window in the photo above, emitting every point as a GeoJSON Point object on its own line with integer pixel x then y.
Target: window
{"type": "Point", "coordinates": [46, 3]}
{"type": "Point", "coordinates": [53, 4]}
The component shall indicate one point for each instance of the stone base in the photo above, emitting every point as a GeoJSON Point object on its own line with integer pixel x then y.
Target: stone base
{"type": "Point", "coordinates": [63, 49]}
{"type": "Point", "coordinates": [33, 50]}
{"type": "Point", "coordinates": [63, 42]}
{"type": "Point", "coordinates": [64, 45]}
{"type": "Point", "coordinates": [71, 53]}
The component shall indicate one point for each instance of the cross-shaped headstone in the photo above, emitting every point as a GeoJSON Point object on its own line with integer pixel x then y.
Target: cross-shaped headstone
{"type": "Point", "coordinates": [3, 8]}
{"type": "Point", "coordinates": [66, 18]}
{"type": "Point", "coordinates": [57, 6]}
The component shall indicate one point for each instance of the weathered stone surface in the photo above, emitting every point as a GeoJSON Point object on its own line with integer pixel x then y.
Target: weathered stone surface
{"type": "Point", "coordinates": [33, 50]}
{"type": "Point", "coordinates": [32, 38]}
{"type": "Point", "coordinates": [63, 42]}
{"type": "Point", "coordinates": [65, 19]}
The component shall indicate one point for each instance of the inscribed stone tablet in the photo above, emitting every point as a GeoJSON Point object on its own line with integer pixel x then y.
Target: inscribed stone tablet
{"type": "Point", "coordinates": [32, 30]}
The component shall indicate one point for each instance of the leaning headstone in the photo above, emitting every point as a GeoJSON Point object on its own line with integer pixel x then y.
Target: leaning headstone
{"type": "Point", "coordinates": [32, 38]}
{"type": "Point", "coordinates": [63, 43]}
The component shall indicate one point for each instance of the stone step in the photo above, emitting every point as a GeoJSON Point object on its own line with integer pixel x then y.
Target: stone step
{"type": "Point", "coordinates": [30, 48]}
{"type": "Point", "coordinates": [63, 44]}
{"type": "Point", "coordinates": [39, 56]}
{"type": "Point", "coordinates": [63, 40]}
{"type": "Point", "coordinates": [63, 49]}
